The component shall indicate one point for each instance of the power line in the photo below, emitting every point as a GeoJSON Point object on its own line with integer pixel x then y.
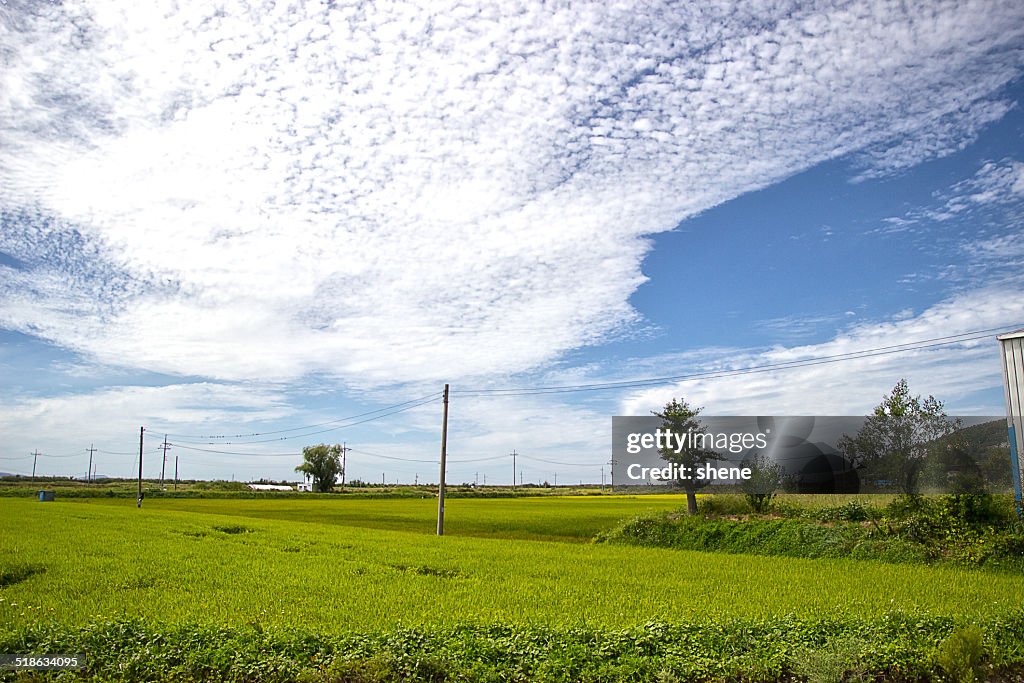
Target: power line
{"type": "Point", "coordinates": [718, 374]}
{"type": "Point", "coordinates": [558, 462]}
{"type": "Point", "coordinates": [390, 457]}
{"type": "Point", "coordinates": [210, 450]}
{"type": "Point", "coordinates": [292, 455]}
{"type": "Point", "coordinates": [423, 400]}
{"type": "Point", "coordinates": [433, 461]}
{"type": "Point", "coordinates": [408, 405]}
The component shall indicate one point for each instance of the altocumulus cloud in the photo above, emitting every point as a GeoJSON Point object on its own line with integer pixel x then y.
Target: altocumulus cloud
{"type": "Point", "coordinates": [387, 191]}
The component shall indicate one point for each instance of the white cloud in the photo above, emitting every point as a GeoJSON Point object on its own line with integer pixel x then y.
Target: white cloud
{"type": "Point", "coordinates": [386, 192]}
{"type": "Point", "coordinates": [952, 373]}
{"type": "Point", "coordinates": [110, 419]}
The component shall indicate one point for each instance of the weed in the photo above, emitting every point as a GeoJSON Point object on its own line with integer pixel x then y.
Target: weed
{"type": "Point", "coordinates": [835, 661]}
{"type": "Point", "coordinates": [961, 655]}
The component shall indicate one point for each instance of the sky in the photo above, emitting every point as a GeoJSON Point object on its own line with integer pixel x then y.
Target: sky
{"type": "Point", "coordinates": [255, 227]}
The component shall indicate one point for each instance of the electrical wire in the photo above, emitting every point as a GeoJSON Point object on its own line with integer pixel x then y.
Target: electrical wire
{"type": "Point", "coordinates": [556, 462]}
{"type": "Point", "coordinates": [408, 405]}
{"type": "Point", "coordinates": [186, 438]}
{"type": "Point", "coordinates": [261, 455]}
{"type": "Point", "coordinates": [718, 374]}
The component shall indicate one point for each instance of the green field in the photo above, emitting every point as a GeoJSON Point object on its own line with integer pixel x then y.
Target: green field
{"type": "Point", "coordinates": [342, 565]}
{"type": "Point", "coordinates": [350, 566]}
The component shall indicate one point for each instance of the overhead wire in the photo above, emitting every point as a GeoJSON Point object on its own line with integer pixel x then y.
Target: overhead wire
{"type": "Point", "coordinates": [557, 462]}
{"type": "Point", "coordinates": [408, 405]}
{"type": "Point", "coordinates": [718, 374]}
{"type": "Point", "coordinates": [423, 400]}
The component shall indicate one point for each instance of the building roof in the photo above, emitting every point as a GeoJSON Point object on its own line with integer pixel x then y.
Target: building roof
{"type": "Point", "coordinates": [1011, 335]}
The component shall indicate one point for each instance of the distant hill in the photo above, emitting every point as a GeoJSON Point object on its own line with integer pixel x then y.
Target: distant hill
{"type": "Point", "coordinates": [988, 434]}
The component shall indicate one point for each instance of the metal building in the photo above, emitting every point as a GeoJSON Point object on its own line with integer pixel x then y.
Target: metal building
{"type": "Point", "coordinates": [1012, 353]}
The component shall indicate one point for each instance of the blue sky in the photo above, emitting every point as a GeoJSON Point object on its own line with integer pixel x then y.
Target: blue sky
{"type": "Point", "coordinates": [248, 220]}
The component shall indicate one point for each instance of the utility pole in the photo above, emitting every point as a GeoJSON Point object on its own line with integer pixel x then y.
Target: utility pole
{"type": "Point", "coordinates": [35, 458]}
{"type": "Point", "coordinates": [613, 462]}
{"type": "Point", "coordinates": [513, 468]}
{"type": "Point", "coordinates": [175, 473]}
{"type": "Point", "coordinates": [142, 430]}
{"type": "Point", "coordinates": [88, 473]}
{"type": "Point", "coordinates": [344, 463]}
{"type": "Point", "coordinates": [602, 476]}
{"type": "Point", "coordinates": [444, 450]}
{"type": "Point", "coordinates": [163, 468]}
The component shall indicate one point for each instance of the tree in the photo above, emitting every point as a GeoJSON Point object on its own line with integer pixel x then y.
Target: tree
{"type": "Point", "coordinates": [897, 437]}
{"type": "Point", "coordinates": [323, 463]}
{"type": "Point", "coordinates": [766, 478]}
{"type": "Point", "coordinates": [680, 419]}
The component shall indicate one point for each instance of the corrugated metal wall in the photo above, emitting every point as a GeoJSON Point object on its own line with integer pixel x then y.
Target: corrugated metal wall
{"type": "Point", "coordinates": [1012, 347]}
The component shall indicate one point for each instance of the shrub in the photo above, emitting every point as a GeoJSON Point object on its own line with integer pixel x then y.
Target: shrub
{"type": "Point", "coordinates": [961, 654]}
{"type": "Point", "coordinates": [838, 660]}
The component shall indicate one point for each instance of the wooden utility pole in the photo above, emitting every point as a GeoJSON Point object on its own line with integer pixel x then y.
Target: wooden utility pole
{"type": "Point", "coordinates": [88, 474]}
{"type": "Point", "coordinates": [444, 447]}
{"type": "Point", "coordinates": [163, 467]}
{"type": "Point", "coordinates": [344, 463]}
{"type": "Point", "coordinates": [35, 458]}
{"type": "Point", "coordinates": [138, 502]}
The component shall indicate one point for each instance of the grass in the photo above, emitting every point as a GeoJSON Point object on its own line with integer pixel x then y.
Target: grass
{"type": "Point", "coordinates": [547, 518]}
{"type": "Point", "coordinates": [102, 561]}
{"type": "Point", "coordinates": [349, 589]}
{"type": "Point", "coordinates": [967, 531]}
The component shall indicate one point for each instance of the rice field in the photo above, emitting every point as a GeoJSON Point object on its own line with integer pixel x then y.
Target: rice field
{"type": "Point", "coordinates": [350, 565]}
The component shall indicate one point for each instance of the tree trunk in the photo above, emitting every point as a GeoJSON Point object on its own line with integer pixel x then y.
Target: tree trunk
{"type": "Point", "coordinates": [691, 502]}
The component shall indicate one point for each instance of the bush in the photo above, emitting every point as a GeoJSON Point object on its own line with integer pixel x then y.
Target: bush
{"type": "Point", "coordinates": [721, 504]}
{"type": "Point", "coordinates": [850, 512]}
{"type": "Point", "coordinates": [961, 655]}
{"type": "Point", "coordinates": [837, 660]}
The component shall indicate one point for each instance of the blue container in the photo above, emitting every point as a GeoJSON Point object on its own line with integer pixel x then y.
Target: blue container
{"type": "Point", "coordinates": [46, 496]}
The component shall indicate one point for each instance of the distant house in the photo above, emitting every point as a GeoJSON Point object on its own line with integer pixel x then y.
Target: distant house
{"type": "Point", "coordinates": [305, 487]}
{"type": "Point", "coordinates": [270, 487]}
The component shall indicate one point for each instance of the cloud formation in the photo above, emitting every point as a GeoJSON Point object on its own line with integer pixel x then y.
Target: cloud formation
{"type": "Point", "coordinates": [953, 373]}
{"type": "Point", "coordinates": [392, 192]}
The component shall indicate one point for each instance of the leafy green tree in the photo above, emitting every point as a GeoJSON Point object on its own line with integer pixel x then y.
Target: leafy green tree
{"type": "Point", "coordinates": [766, 478]}
{"type": "Point", "coordinates": [897, 437]}
{"type": "Point", "coordinates": [679, 418]}
{"type": "Point", "coordinates": [323, 464]}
